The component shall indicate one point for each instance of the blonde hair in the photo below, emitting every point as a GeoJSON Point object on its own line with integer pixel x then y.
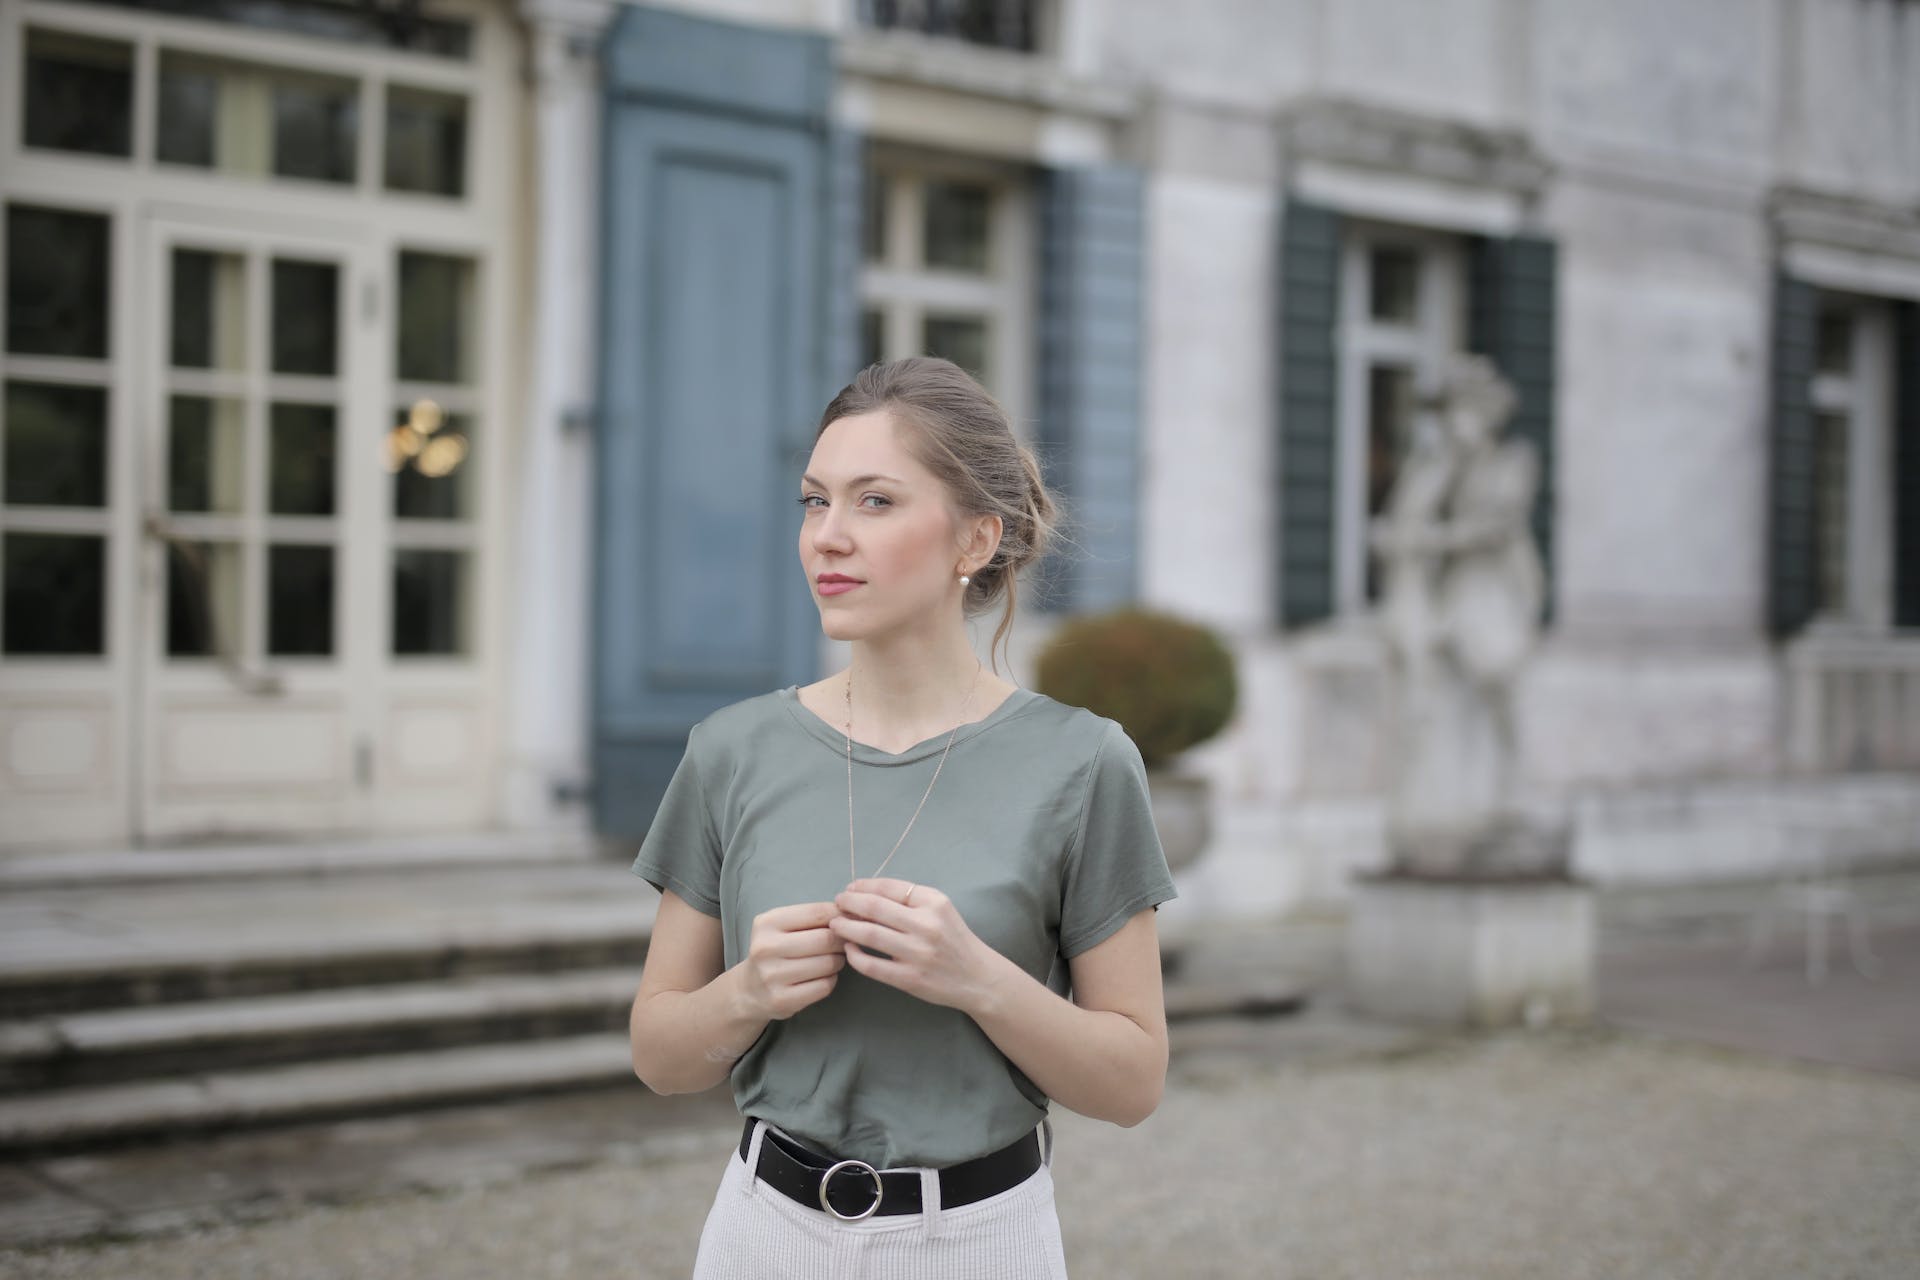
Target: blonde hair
{"type": "Point", "coordinates": [959, 432]}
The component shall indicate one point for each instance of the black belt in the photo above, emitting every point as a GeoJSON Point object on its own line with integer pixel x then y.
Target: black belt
{"type": "Point", "coordinates": [855, 1189]}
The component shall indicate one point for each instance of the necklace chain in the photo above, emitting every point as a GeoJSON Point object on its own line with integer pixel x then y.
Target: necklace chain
{"type": "Point", "coordinates": [852, 865]}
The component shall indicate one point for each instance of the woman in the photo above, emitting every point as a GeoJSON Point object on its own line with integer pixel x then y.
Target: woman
{"type": "Point", "coordinates": [893, 1040]}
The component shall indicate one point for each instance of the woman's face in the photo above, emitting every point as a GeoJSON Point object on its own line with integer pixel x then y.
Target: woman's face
{"type": "Point", "coordinates": [873, 513]}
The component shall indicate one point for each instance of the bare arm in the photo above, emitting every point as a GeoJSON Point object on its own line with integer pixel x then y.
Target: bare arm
{"type": "Point", "coordinates": [691, 1020]}
{"type": "Point", "coordinates": [1103, 1054]}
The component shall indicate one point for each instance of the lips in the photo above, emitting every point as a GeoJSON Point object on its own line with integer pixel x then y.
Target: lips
{"type": "Point", "coordinates": [833, 584]}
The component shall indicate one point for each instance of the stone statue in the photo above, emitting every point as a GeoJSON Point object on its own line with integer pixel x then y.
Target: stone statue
{"type": "Point", "coordinates": [1461, 591]}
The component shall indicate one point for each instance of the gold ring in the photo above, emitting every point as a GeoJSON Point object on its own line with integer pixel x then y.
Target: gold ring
{"type": "Point", "coordinates": [909, 898]}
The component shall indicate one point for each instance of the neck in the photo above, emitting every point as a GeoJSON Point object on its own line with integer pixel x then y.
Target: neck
{"type": "Point", "coordinates": [904, 681]}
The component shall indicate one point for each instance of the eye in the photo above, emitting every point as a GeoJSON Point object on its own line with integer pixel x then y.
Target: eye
{"type": "Point", "coordinates": [809, 498]}
{"type": "Point", "coordinates": [887, 501]}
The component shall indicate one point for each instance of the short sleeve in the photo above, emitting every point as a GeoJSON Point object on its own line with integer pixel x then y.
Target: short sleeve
{"type": "Point", "coordinates": [1115, 867]}
{"type": "Point", "coordinates": [681, 850]}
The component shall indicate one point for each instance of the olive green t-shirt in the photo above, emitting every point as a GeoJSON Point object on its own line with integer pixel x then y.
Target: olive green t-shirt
{"type": "Point", "coordinates": [1039, 830]}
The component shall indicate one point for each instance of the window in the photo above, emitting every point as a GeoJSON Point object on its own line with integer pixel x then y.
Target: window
{"type": "Point", "coordinates": [1001, 24]}
{"type": "Point", "coordinates": [249, 378]}
{"type": "Point", "coordinates": [1852, 398]}
{"type": "Point", "coordinates": [77, 94]}
{"type": "Point", "coordinates": [224, 115]}
{"type": "Point", "coordinates": [390, 26]}
{"type": "Point", "coordinates": [436, 411]}
{"type": "Point", "coordinates": [1402, 317]}
{"type": "Point", "coordinates": [946, 241]}
{"type": "Point", "coordinates": [54, 397]}
{"type": "Point", "coordinates": [241, 118]}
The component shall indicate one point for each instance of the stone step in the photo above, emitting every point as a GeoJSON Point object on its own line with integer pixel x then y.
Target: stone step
{"type": "Point", "coordinates": [253, 959]}
{"type": "Point", "coordinates": [154, 1106]}
{"type": "Point", "coordinates": [158, 1041]}
{"type": "Point", "coordinates": [107, 1114]}
{"type": "Point", "coordinates": [292, 859]}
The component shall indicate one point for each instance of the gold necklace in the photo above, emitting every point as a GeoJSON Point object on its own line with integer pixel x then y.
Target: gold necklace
{"type": "Point", "coordinates": [852, 867]}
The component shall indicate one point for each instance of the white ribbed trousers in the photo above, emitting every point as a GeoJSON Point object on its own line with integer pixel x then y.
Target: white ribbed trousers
{"type": "Point", "coordinates": [755, 1233]}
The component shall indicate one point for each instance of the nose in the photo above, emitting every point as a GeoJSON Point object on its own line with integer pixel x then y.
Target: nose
{"type": "Point", "coordinates": [828, 530]}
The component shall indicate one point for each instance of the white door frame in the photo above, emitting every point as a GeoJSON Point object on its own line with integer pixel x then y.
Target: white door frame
{"type": "Point", "coordinates": [194, 763]}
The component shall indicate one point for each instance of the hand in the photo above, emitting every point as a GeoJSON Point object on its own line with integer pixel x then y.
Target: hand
{"type": "Point", "coordinates": [792, 960]}
{"type": "Point", "coordinates": [929, 950]}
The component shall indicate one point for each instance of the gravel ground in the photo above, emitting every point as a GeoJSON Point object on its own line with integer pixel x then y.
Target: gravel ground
{"type": "Point", "coordinates": [1561, 1153]}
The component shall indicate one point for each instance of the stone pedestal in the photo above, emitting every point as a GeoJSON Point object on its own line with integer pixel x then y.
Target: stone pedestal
{"type": "Point", "coordinates": [1472, 953]}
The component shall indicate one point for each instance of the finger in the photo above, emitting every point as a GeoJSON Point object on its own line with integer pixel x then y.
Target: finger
{"type": "Point", "coordinates": [868, 934]}
{"type": "Point", "coordinates": [795, 972]}
{"type": "Point", "coordinates": [879, 968]}
{"type": "Point", "coordinates": [818, 989]}
{"type": "Point", "coordinates": [874, 906]}
{"type": "Point", "coordinates": [806, 942]}
{"type": "Point", "coordinates": [887, 887]}
{"type": "Point", "coordinates": [799, 915]}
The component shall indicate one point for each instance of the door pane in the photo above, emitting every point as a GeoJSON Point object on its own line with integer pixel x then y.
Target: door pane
{"type": "Point", "coordinates": [315, 127]}
{"type": "Point", "coordinates": [436, 319]}
{"type": "Point", "coordinates": [1830, 510]}
{"type": "Point", "coordinates": [301, 460]}
{"type": "Point", "coordinates": [427, 452]}
{"type": "Point", "coordinates": [873, 224]}
{"type": "Point", "coordinates": [426, 141]}
{"type": "Point", "coordinates": [429, 601]}
{"type": "Point", "coordinates": [203, 599]}
{"type": "Point", "coordinates": [1395, 284]}
{"type": "Point", "coordinates": [206, 441]}
{"type": "Point", "coordinates": [79, 94]}
{"type": "Point", "coordinates": [56, 593]}
{"type": "Point", "coordinates": [209, 310]}
{"type": "Point", "coordinates": [961, 339]}
{"type": "Point", "coordinates": [189, 105]}
{"type": "Point", "coordinates": [56, 438]}
{"type": "Point", "coordinates": [1390, 410]}
{"type": "Point", "coordinates": [956, 225]}
{"type": "Point", "coordinates": [56, 282]}
{"type": "Point", "coordinates": [1835, 338]}
{"type": "Point", "coordinates": [306, 317]}
{"type": "Point", "coordinates": [300, 600]}
{"type": "Point", "coordinates": [872, 327]}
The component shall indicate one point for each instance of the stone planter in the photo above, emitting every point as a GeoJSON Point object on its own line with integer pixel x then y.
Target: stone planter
{"type": "Point", "coordinates": [1472, 953]}
{"type": "Point", "coordinates": [1182, 813]}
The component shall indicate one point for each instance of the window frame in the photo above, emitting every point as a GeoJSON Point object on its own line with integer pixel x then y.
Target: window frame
{"type": "Point", "coordinates": [1864, 396]}
{"type": "Point", "coordinates": [1427, 345]}
{"type": "Point", "coordinates": [904, 290]}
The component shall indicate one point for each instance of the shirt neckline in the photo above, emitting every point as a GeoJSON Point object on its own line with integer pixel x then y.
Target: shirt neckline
{"type": "Point", "coordinates": [817, 728]}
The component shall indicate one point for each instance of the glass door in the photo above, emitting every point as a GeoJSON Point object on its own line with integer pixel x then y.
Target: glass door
{"type": "Point", "coordinates": [260, 525]}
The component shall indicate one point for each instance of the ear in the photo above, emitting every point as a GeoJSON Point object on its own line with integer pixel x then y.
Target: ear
{"type": "Point", "coordinates": [980, 538]}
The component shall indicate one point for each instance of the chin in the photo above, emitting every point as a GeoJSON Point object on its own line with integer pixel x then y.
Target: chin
{"type": "Point", "coordinates": [840, 628]}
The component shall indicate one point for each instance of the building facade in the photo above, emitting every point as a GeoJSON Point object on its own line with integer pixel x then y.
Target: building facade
{"type": "Point", "coordinates": [401, 401]}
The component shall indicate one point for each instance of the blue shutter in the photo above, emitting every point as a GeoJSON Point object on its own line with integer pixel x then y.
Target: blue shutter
{"type": "Point", "coordinates": [714, 319]}
{"type": "Point", "coordinates": [1511, 319]}
{"type": "Point", "coordinates": [1307, 450]}
{"type": "Point", "coordinates": [1091, 312]}
{"type": "Point", "coordinates": [1791, 558]}
{"type": "Point", "coordinates": [1906, 466]}
{"type": "Point", "coordinates": [846, 211]}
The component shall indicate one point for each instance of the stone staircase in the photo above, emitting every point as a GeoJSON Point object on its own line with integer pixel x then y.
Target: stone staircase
{"type": "Point", "coordinates": [183, 994]}
{"type": "Point", "coordinates": [156, 995]}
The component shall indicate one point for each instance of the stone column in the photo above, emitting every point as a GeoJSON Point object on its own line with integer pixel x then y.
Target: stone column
{"type": "Point", "coordinates": [547, 739]}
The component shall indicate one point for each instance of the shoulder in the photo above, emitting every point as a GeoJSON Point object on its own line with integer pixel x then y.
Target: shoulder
{"type": "Point", "coordinates": [1076, 733]}
{"type": "Point", "coordinates": [716, 736]}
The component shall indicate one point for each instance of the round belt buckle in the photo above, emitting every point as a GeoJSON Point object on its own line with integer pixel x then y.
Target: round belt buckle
{"type": "Point", "coordinates": [879, 1189]}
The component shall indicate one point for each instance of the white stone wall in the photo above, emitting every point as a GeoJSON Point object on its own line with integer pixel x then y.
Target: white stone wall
{"type": "Point", "coordinates": [1664, 130]}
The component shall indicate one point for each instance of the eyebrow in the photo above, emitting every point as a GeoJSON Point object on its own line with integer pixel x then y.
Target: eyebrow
{"type": "Point", "coordinates": [857, 480]}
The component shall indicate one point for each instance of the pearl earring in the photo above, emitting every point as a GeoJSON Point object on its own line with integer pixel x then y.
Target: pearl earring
{"type": "Point", "coordinates": [964, 579]}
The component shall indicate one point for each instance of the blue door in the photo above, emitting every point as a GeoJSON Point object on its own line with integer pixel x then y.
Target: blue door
{"type": "Point", "coordinates": [714, 332]}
